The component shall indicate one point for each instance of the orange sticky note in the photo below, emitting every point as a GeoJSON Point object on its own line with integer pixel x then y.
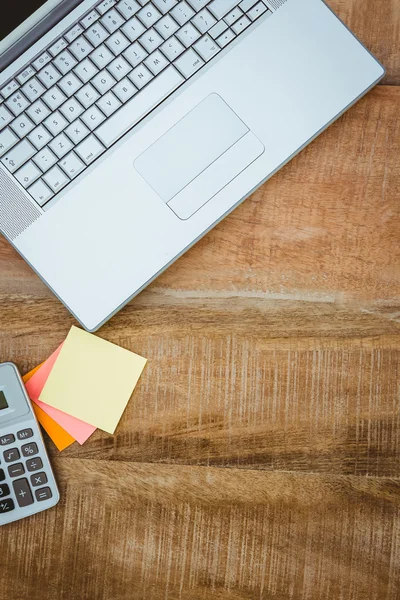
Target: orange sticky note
{"type": "Point", "coordinates": [60, 437]}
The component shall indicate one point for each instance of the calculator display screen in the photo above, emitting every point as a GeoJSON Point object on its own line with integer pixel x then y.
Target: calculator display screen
{"type": "Point", "coordinates": [3, 401]}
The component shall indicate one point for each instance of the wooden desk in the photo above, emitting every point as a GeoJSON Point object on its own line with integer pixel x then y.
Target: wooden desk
{"type": "Point", "coordinates": [260, 455]}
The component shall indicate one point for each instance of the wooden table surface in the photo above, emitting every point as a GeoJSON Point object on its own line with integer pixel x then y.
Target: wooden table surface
{"type": "Point", "coordinates": [259, 457]}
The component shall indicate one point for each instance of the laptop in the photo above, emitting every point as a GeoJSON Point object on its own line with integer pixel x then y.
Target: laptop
{"type": "Point", "coordinates": [130, 128]}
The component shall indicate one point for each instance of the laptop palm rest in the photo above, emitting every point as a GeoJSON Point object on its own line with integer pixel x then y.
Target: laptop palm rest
{"type": "Point", "coordinates": [199, 156]}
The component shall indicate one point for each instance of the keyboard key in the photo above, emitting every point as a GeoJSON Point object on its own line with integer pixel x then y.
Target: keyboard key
{"type": "Point", "coordinates": [17, 103]}
{"type": "Point", "coordinates": [56, 123]}
{"type": "Point", "coordinates": [140, 76]}
{"type": "Point", "coordinates": [71, 109]}
{"type": "Point", "coordinates": [86, 70]}
{"type": "Point", "coordinates": [43, 494]}
{"type": "Point", "coordinates": [34, 464]}
{"type": "Point", "coordinates": [88, 95]}
{"type": "Point", "coordinates": [54, 98]}
{"type": "Point", "coordinates": [42, 61]}
{"type": "Point", "coordinates": [172, 48]}
{"type": "Point", "coordinates": [56, 48]}
{"type": "Point", "coordinates": [16, 470]}
{"type": "Point", "coordinates": [93, 117]}
{"type": "Point", "coordinates": [247, 4]}
{"type": "Point", "coordinates": [117, 43]}
{"type": "Point", "coordinates": [4, 490]}
{"type": "Point", "coordinates": [5, 116]}
{"type": "Point", "coordinates": [207, 48]}
{"type": "Point", "coordinates": [9, 89]}
{"type": "Point", "coordinates": [204, 21]}
{"type": "Point", "coordinates": [241, 24]}
{"type": "Point", "coordinates": [135, 54]}
{"type": "Point", "coordinates": [33, 89]}
{"type": "Point", "coordinates": [189, 63]}
{"type": "Point", "coordinates": [220, 8]}
{"type": "Point", "coordinates": [103, 82]}
{"type": "Point", "coordinates": [25, 75]}
{"type": "Point", "coordinates": [218, 29]}
{"type": "Point", "coordinates": [149, 15]}
{"type": "Point", "coordinates": [133, 29]}
{"type": "Point", "coordinates": [89, 149]}
{"type": "Point", "coordinates": [188, 35]}
{"type": "Point", "coordinates": [61, 145]}
{"type": "Point", "coordinates": [56, 179]}
{"type": "Point", "coordinates": [11, 455]}
{"type": "Point", "coordinates": [38, 111]}
{"type": "Point", "coordinates": [80, 48]}
{"type": "Point", "coordinates": [22, 125]}
{"type": "Point", "coordinates": [90, 18]}
{"type": "Point", "coordinates": [165, 5]}
{"type": "Point", "coordinates": [139, 106]}
{"type": "Point", "coordinates": [198, 4]}
{"type": "Point", "coordinates": [38, 479]}
{"type": "Point", "coordinates": [22, 492]}
{"type": "Point", "coordinates": [119, 68]}
{"type": "Point", "coordinates": [72, 166]}
{"type": "Point", "coordinates": [16, 157]}
{"type": "Point", "coordinates": [49, 76]}
{"type": "Point", "coordinates": [105, 5]}
{"type": "Point", "coordinates": [112, 20]}
{"type": "Point", "coordinates": [124, 90]}
{"type": "Point", "coordinates": [25, 434]}
{"type": "Point", "coordinates": [77, 131]}
{"type": "Point", "coordinates": [7, 140]}
{"type": "Point", "coordinates": [5, 440]}
{"type": "Point", "coordinates": [6, 505]}
{"type": "Point", "coordinates": [39, 137]}
{"type": "Point", "coordinates": [182, 13]}
{"type": "Point", "coordinates": [70, 84]}
{"type": "Point", "coordinates": [74, 33]}
{"type": "Point", "coordinates": [101, 57]}
{"type": "Point", "coordinates": [225, 38]}
{"type": "Point", "coordinates": [109, 103]}
{"type": "Point", "coordinates": [41, 194]}
{"type": "Point", "coordinates": [65, 62]}
{"type": "Point", "coordinates": [45, 159]}
{"type": "Point", "coordinates": [96, 34]}
{"type": "Point", "coordinates": [166, 27]}
{"type": "Point", "coordinates": [128, 8]}
{"type": "Point", "coordinates": [151, 40]}
{"type": "Point", "coordinates": [233, 16]}
{"type": "Point", "coordinates": [29, 449]}
{"type": "Point", "coordinates": [28, 174]}
{"type": "Point", "coordinates": [258, 10]}
{"type": "Point", "coordinates": [156, 62]}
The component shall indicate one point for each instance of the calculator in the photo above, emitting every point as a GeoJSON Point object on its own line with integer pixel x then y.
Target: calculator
{"type": "Point", "coordinates": [27, 483]}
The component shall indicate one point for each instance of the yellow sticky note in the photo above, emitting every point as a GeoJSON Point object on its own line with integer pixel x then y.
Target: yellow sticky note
{"type": "Point", "coordinates": [92, 379]}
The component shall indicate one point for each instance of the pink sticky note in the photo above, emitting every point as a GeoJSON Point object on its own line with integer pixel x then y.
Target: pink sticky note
{"type": "Point", "coordinates": [78, 429]}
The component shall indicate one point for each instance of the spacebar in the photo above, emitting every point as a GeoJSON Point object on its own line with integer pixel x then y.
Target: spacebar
{"type": "Point", "coordinates": [139, 106]}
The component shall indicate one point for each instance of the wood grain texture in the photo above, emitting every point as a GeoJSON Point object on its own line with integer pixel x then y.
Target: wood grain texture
{"type": "Point", "coordinates": [259, 457]}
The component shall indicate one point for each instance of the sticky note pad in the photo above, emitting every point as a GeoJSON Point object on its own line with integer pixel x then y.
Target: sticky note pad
{"type": "Point", "coordinates": [76, 428]}
{"type": "Point", "coordinates": [92, 379]}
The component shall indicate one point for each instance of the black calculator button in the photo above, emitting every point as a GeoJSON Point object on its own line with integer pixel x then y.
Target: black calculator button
{"type": "Point", "coordinates": [6, 505]}
{"type": "Point", "coordinates": [7, 439]}
{"type": "Point", "coordinates": [2, 475]}
{"type": "Point", "coordinates": [16, 470]}
{"type": "Point", "coordinates": [38, 479]}
{"type": "Point", "coordinates": [34, 464]}
{"type": "Point", "coordinates": [11, 455]}
{"type": "Point", "coordinates": [22, 492]}
{"type": "Point", "coordinates": [43, 494]}
{"type": "Point", "coordinates": [29, 449]}
{"type": "Point", "coordinates": [24, 434]}
{"type": "Point", "coordinates": [4, 490]}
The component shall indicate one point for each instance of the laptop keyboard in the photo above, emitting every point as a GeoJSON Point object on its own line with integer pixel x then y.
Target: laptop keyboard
{"type": "Point", "coordinates": [104, 75]}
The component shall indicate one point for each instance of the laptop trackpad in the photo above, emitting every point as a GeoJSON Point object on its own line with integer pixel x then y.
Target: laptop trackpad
{"type": "Point", "coordinates": [199, 156]}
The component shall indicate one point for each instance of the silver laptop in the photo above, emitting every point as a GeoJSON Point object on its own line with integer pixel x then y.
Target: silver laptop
{"type": "Point", "coordinates": [129, 128]}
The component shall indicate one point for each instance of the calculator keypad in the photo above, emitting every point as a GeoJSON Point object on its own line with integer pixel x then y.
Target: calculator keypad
{"type": "Point", "coordinates": [43, 494]}
{"type": "Point", "coordinates": [38, 479]}
{"type": "Point", "coordinates": [16, 470]}
{"type": "Point", "coordinates": [6, 505]}
{"type": "Point", "coordinates": [29, 449]}
{"type": "Point", "coordinates": [4, 490]}
{"type": "Point", "coordinates": [7, 439]}
{"type": "Point", "coordinates": [24, 434]}
{"type": "Point", "coordinates": [34, 464]}
{"type": "Point", "coordinates": [11, 455]}
{"type": "Point", "coordinates": [23, 492]}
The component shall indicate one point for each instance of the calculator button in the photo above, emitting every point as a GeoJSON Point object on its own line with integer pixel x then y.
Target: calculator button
{"type": "Point", "coordinates": [38, 479]}
{"type": "Point", "coordinates": [29, 449]}
{"type": "Point", "coordinates": [22, 492]}
{"type": "Point", "coordinates": [11, 455]}
{"type": "Point", "coordinates": [43, 494]}
{"type": "Point", "coordinates": [6, 505]}
{"type": "Point", "coordinates": [34, 464]}
{"type": "Point", "coordinates": [2, 475]}
{"type": "Point", "coordinates": [16, 470]}
{"type": "Point", "coordinates": [7, 439]}
{"type": "Point", "coordinates": [24, 434]}
{"type": "Point", "coordinates": [4, 490]}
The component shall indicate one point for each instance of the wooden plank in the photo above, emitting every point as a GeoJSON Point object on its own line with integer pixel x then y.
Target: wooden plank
{"type": "Point", "coordinates": [131, 532]}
